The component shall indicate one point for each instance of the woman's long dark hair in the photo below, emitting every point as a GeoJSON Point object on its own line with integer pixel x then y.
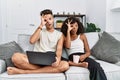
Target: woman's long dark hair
{"type": "Point", "coordinates": [73, 19]}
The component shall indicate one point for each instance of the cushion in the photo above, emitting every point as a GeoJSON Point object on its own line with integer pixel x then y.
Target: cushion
{"type": "Point", "coordinates": [41, 76]}
{"type": "Point", "coordinates": [23, 41]}
{"type": "Point", "coordinates": [2, 66]}
{"type": "Point", "coordinates": [92, 38]}
{"type": "Point", "coordinates": [116, 35]}
{"type": "Point", "coordinates": [64, 53]}
{"type": "Point", "coordinates": [118, 63]}
{"type": "Point", "coordinates": [107, 48]}
{"type": "Point", "coordinates": [112, 72]}
{"type": "Point", "coordinates": [7, 50]}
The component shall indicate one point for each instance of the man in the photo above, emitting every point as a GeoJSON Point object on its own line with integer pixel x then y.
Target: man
{"type": "Point", "coordinates": [45, 40]}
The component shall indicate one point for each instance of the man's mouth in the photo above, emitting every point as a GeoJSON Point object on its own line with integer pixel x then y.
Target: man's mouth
{"type": "Point", "coordinates": [48, 24]}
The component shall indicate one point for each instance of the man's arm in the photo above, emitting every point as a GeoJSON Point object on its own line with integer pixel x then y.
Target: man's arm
{"type": "Point", "coordinates": [36, 35]}
{"type": "Point", "coordinates": [59, 50]}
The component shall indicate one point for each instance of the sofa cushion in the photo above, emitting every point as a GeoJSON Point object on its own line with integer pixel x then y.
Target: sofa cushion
{"type": "Point", "coordinates": [107, 46]}
{"type": "Point", "coordinates": [116, 35]}
{"type": "Point", "coordinates": [2, 66]}
{"type": "Point", "coordinates": [112, 72]}
{"type": "Point", "coordinates": [77, 73]}
{"type": "Point", "coordinates": [64, 53]}
{"type": "Point", "coordinates": [42, 76]}
{"type": "Point", "coordinates": [92, 38]}
{"type": "Point", "coordinates": [7, 50]}
{"type": "Point", "coordinates": [24, 42]}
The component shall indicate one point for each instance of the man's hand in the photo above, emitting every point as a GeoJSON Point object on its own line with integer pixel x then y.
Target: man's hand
{"type": "Point", "coordinates": [43, 21]}
{"type": "Point", "coordinates": [56, 63]}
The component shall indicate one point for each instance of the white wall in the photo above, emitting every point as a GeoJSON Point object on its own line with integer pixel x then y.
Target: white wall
{"type": "Point", "coordinates": [17, 15]}
{"type": "Point", "coordinates": [3, 21]}
{"type": "Point", "coordinates": [99, 12]}
{"type": "Point", "coordinates": [23, 8]}
{"type": "Point", "coordinates": [112, 18]}
{"type": "Point", "coordinates": [0, 24]}
{"type": "Point", "coordinates": [96, 12]}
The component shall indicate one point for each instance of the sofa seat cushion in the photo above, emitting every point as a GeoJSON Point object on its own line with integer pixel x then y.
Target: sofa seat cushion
{"type": "Point", "coordinates": [112, 72]}
{"type": "Point", "coordinates": [77, 73]}
{"type": "Point", "coordinates": [45, 76]}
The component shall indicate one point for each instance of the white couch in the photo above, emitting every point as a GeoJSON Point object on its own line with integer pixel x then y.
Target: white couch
{"type": "Point", "coordinates": [112, 71]}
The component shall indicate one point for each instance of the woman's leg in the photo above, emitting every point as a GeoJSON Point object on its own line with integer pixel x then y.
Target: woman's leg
{"type": "Point", "coordinates": [96, 71]}
{"type": "Point", "coordinates": [80, 64]}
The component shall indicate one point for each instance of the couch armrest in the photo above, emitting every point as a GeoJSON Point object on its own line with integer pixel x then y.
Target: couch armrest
{"type": "Point", "coordinates": [2, 66]}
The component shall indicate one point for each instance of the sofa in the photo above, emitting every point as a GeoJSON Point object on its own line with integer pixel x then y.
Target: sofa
{"type": "Point", "coordinates": [112, 70]}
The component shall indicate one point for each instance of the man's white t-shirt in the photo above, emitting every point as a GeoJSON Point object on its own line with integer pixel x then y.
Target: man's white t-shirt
{"type": "Point", "coordinates": [48, 41]}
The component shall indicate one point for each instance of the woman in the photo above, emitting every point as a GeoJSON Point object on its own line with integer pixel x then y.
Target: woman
{"type": "Point", "coordinates": [76, 43]}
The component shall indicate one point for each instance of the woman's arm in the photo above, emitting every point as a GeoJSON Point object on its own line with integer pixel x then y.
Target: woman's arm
{"type": "Point", "coordinates": [67, 39]}
{"type": "Point", "coordinates": [86, 46]}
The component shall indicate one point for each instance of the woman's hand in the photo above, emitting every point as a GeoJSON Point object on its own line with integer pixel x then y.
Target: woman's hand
{"type": "Point", "coordinates": [82, 57]}
{"type": "Point", "coordinates": [69, 25]}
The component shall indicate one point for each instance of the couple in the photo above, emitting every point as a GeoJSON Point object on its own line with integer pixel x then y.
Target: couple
{"type": "Point", "coordinates": [50, 39]}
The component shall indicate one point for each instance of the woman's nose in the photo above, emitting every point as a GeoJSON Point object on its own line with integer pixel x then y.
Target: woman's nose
{"type": "Point", "coordinates": [73, 27]}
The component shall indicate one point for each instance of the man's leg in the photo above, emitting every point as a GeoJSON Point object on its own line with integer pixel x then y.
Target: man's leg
{"type": "Point", "coordinates": [63, 66]}
{"type": "Point", "coordinates": [21, 61]}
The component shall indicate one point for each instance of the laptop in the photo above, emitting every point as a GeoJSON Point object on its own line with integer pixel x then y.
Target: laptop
{"type": "Point", "coordinates": [41, 58]}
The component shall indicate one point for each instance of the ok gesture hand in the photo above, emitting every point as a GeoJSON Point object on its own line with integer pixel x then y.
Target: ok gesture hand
{"type": "Point", "coordinates": [43, 21]}
{"type": "Point", "coordinates": [69, 25]}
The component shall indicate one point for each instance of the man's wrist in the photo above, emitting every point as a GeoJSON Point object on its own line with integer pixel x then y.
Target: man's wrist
{"type": "Point", "coordinates": [39, 28]}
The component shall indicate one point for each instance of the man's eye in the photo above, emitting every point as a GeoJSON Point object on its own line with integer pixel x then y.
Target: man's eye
{"type": "Point", "coordinates": [45, 20]}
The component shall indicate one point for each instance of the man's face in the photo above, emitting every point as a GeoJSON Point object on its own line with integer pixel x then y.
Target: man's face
{"type": "Point", "coordinates": [48, 18]}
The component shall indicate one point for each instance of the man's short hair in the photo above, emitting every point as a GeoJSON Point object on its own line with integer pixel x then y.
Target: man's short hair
{"type": "Point", "coordinates": [46, 11]}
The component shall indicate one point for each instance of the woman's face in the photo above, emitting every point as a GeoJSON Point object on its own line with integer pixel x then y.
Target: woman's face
{"type": "Point", "coordinates": [74, 28]}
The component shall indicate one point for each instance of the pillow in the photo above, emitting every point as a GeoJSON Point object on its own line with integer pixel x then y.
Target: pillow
{"type": "Point", "coordinates": [23, 41]}
{"type": "Point", "coordinates": [92, 38]}
{"type": "Point", "coordinates": [2, 66]}
{"type": "Point", "coordinates": [7, 50]}
{"type": "Point", "coordinates": [107, 48]}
